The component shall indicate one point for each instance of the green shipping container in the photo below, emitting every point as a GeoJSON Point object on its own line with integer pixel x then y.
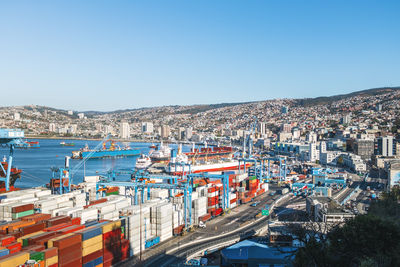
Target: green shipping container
{"type": "Point", "coordinates": [195, 185]}
{"type": "Point", "coordinates": [37, 256]}
{"type": "Point", "coordinates": [112, 193]}
{"type": "Point", "coordinates": [22, 214]}
{"type": "Point", "coordinates": [252, 178]}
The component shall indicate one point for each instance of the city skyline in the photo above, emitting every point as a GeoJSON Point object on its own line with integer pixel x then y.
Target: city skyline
{"type": "Point", "coordinates": [91, 56]}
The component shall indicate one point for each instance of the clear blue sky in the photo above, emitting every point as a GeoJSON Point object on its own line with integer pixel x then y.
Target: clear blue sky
{"type": "Point", "coordinates": [107, 55]}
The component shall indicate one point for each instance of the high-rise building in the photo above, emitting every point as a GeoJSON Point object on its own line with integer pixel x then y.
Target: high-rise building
{"type": "Point", "coordinates": [189, 133]}
{"type": "Point", "coordinates": [313, 153]}
{"type": "Point", "coordinates": [108, 129]}
{"type": "Point", "coordinates": [125, 130]}
{"type": "Point", "coordinates": [165, 131]}
{"type": "Point", "coordinates": [322, 147]}
{"type": "Point", "coordinates": [181, 133]}
{"type": "Point", "coordinates": [147, 127]}
{"type": "Point", "coordinates": [262, 128]}
{"type": "Point", "coordinates": [311, 137]}
{"type": "Point", "coordinates": [385, 146]}
{"type": "Point", "coordinates": [364, 148]}
{"type": "Point", "coordinates": [52, 127]}
{"type": "Point", "coordinates": [345, 120]}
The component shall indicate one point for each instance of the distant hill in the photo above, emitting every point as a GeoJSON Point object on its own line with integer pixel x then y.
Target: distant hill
{"type": "Point", "coordinates": [329, 99]}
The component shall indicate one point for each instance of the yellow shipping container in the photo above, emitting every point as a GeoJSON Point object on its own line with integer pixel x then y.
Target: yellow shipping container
{"type": "Point", "coordinates": [92, 241]}
{"type": "Point", "coordinates": [51, 261]}
{"type": "Point", "coordinates": [111, 226]}
{"type": "Point", "coordinates": [50, 242]}
{"type": "Point", "coordinates": [100, 265]}
{"type": "Point", "coordinates": [95, 247]}
{"type": "Point", "coordinates": [14, 260]}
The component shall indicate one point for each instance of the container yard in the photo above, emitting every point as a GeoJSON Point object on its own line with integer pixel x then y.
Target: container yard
{"type": "Point", "coordinates": [101, 226]}
{"type": "Point", "coordinates": [103, 220]}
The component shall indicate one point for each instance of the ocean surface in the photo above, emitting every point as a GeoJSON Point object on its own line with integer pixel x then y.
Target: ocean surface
{"type": "Point", "coordinates": [36, 163]}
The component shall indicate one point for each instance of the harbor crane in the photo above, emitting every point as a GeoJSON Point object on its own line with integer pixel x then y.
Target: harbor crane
{"type": "Point", "coordinates": [9, 138]}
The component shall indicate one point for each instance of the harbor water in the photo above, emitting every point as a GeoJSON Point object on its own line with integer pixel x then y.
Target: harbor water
{"type": "Point", "coordinates": [36, 163]}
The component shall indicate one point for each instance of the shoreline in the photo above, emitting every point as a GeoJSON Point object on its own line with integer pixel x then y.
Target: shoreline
{"type": "Point", "coordinates": [114, 139]}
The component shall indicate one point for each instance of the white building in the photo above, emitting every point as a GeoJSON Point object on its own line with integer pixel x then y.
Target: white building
{"type": "Point", "coordinates": [125, 130]}
{"type": "Point", "coordinates": [70, 112]}
{"type": "Point", "coordinates": [147, 127]}
{"type": "Point", "coordinates": [385, 146]}
{"type": "Point", "coordinates": [81, 115]}
{"type": "Point", "coordinates": [322, 147]}
{"type": "Point", "coordinates": [52, 127]}
{"type": "Point", "coordinates": [354, 162]}
{"type": "Point", "coordinates": [313, 153]}
{"type": "Point", "coordinates": [17, 116]}
{"type": "Point", "coordinates": [189, 133]}
{"type": "Point", "coordinates": [296, 133]}
{"type": "Point", "coordinates": [165, 131]}
{"type": "Point", "coordinates": [311, 137]}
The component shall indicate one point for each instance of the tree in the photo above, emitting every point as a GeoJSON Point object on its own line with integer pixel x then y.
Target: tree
{"type": "Point", "coordinates": [366, 240]}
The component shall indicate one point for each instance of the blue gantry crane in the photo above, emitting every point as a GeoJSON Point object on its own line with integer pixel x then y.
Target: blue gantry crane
{"type": "Point", "coordinates": [9, 138]}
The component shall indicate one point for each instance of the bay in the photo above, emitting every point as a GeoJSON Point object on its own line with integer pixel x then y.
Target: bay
{"type": "Point", "coordinates": [36, 163]}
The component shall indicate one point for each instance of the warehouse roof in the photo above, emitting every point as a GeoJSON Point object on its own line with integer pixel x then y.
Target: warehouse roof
{"type": "Point", "coordinates": [252, 250]}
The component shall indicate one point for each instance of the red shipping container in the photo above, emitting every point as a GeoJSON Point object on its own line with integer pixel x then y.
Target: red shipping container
{"type": "Point", "coordinates": [37, 217]}
{"type": "Point", "coordinates": [76, 221]}
{"type": "Point", "coordinates": [92, 256]}
{"type": "Point", "coordinates": [74, 262]}
{"type": "Point", "coordinates": [71, 229]}
{"type": "Point", "coordinates": [34, 239]}
{"type": "Point", "coordinates": [107, 263]}
{"type": "Point", "coordinates": [112, 235]}
{"type": "Point", "coordinates": [43, 241]}
{"type": "Point", "coordinates": [54, 265]}
{"type": "Point", "coordinates": [33, 248]}
{"type": "Point", "coordinates": [58, 220]}
{"type": "Point", "coordinates": [68, 241]}
{"type": "Point", "coordinates": [205, 218]}
{"type": "Point", "coordinates": [14, 247]}
{"type": "Point", "coordinates": [6, 240]}
{"type": "Point", "coordinates": [32, 228]}
{"type": "Point", "coordinates": [57, 227]}
{"type": "Point", "coordinates": [50, 252]}
{"type": "Point", "coordinates": [69, 254]}
{"type": "Point", "coordinates": [22, 208]}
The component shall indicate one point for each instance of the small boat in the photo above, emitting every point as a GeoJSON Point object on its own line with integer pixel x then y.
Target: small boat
{"type": "Point", "coordinates": [143, 162]}
{"type": "Point", "coordinates": [67, 144]}
{"type": "Point", "coordinates": [153, 146]}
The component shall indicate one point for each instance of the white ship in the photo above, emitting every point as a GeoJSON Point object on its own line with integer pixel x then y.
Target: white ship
{"type": "Point", "coordinates": [162, 154]}
{"type": "Point", "coordinates": [143, 162]}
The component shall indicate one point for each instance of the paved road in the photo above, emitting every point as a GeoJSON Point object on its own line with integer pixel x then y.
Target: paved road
{"type": "Point", "coordinates": [181, 254]}
{"type": "Point", "coordinates": [237, 217]}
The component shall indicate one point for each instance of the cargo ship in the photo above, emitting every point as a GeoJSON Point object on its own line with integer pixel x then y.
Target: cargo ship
{"type": "Point", "coordinates": [28, 144]}
{"type": "Point", "coordinates": [111, 152]}
{"type": "Point", "coordinates": [212, 166]}
{"type": "Point", "coordinates": [163, 153]}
